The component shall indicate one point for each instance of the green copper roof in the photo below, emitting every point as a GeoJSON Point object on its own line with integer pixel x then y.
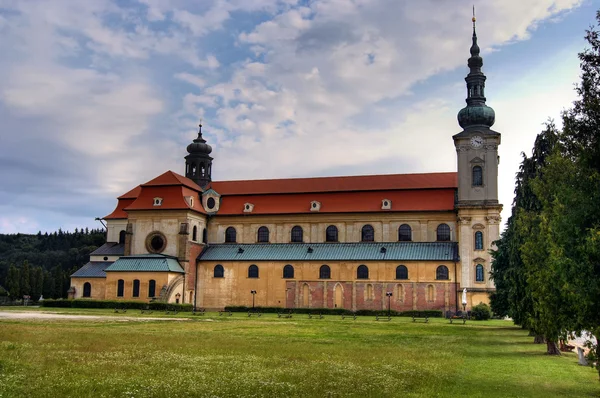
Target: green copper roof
{"type": "Point", "coordinates": [386, 251]}
{"type": "Point", "coordinates": [146, 263]}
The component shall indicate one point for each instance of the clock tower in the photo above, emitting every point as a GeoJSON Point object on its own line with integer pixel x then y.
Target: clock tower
{"type": "Point", "coordinates": [477, 202]}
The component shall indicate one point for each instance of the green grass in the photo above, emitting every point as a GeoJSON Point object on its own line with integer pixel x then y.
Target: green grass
{"type": "Point", "coordinates": [216, 356]}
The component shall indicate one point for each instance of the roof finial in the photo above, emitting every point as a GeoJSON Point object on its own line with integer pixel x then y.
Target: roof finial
{"type": "Point", "coordinates": [474, 47]}
{"type": "Point", "coordinates": [200, 129]}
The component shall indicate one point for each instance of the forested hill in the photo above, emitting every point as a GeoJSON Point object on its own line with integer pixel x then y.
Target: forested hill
{"type": "Point", "coordinates": [41, 264]}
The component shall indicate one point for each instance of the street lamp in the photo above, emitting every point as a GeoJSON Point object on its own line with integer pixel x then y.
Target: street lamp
{"type": "Point", "coordinates": [389, 296]}
{"type": "Point", "coordinates": [253, 293]}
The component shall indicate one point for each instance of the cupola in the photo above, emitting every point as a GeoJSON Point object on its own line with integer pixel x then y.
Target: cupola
{"type": "Point", "coordinates": [198, 164]}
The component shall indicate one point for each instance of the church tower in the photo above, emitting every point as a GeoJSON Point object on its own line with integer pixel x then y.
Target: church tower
{"type": "Point", "coordinates": [198, 164]}
{"type": "Point", "coordinates": [477, 204]}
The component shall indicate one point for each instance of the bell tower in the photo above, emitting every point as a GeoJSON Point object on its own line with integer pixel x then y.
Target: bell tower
{"type": "Point", "coordinates": [477, 163]}
{"type": "Point", "coordinates": [198, 164]}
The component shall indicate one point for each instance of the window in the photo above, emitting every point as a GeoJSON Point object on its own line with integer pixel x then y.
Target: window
{"type": "Point", "coordinates": [404, 233]}
{"type": "Point", "coordinates": [157, 201]}
{"type": "Point", "coordinates": [253, 271]}
{"type": "Point", "coordinates": [288, 272]}
{"type": "Point", "coordinates": [195, 233]}
{"type": "Point", "coordinates": [478, 240]}
{"type": "Point", "coordinates": [477, 176]}
{"type": "Point", "coordinates": [204, 236]}
{"type": "Point", "coordinates": [263, 235]}
{"type": "Point", "coordinates": [401, 272]}
{"type": "Point", "coordinates": [331, 234]}
{"type": "Point", "coordinates": [156, 242]}
{"type": "Point", "coordinates": [479, 273]}
{"type": "Point", "coordinates": [122, 235]}
{"type": "Point", "coordinates": [430, 293]}
{"type": "Point", "coordinates": [441, 273]}
{"type": "Point", "coordinates": [120, 287]}
{"type": "Point", "coordinates": [218, 272]}
{"type": "Point", "coordinates": [87, 289]}
{"type": "Point", "coordinates": [443, 233]}
{"type": "Point", "coordinates": [210, 203]}
{"type": "Point", "coordinates": [367, 234]}
{"type": "Point", "coordinates": [400, 292]}
{"type": "Point", "coordinates": [362, 272]}
{"type": "Point", "coordinates": [136, 288]}
{"type": "Point", "coordinates": [324, 272]}
{"type": "Point", "coordinates": [369, 292]}
{"type": "Point", "coordinates": [230, 235]}
{"type": "Point", "coordinates": [297, 234]}
{"type": "Point", "coordinates": [151, 288]}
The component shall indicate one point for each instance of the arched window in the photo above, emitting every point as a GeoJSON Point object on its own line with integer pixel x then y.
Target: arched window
{"type": "Point", "coordinates": [367, 234]}
{"type": "Point", "coordinates": [478, 240]}
{"type": "Point", "coordinates": [151, 288]}
{"type": "Point", "coordinates": [479, 273]}
{"type": "Point", "coordinates": [87, 289]}
{"type": "Point", "coordinates": [443, 232]}
{"type": "Point", "coordinates": [218, 272]}
{"type": "Point", "coordinates": [288, 272]}
{"type": "Point", "coordinates": [297, 234]}
{"type": "Point", "coordinates": [324, 272]}
{"type": "Point", "coordinates": [120, 287]}
{"type": "Point", "coordinates": [195, 233]}
{"type": "Point", "coordinates": [253, 271]}
{"type": "Point", "coordinates": [263, 235]}
{"type": "Point", "coordinates": [362, 272]}
{"type": "Point", "coordinates": [441, 273]}
{"type": "Point", "coordinates": [331, 234]}
{"type": "Point", "coordinates": [401, 272]}
{"type": "Point", "coordinates": [404, 233]}
{"type": "Point", "coordinates": [477, 176]}
{"type": "Point", "coordinates": [230, 235]}
{"type": "Point", "coordinates": [204, 236]}
{"type": "Point", "coordinates": [122, 235]}
{"type": "Point", "coordinates": [136, 288]}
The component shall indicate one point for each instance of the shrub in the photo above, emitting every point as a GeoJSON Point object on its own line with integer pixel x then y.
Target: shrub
{"type": "Point", "coordinates": [481, 312]}
{"type": "Point", "coordinates": [133, 305]}
{"type": "Point", "coordinates": [335, 311]}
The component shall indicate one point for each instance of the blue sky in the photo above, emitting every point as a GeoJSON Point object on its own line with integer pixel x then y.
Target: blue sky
{"type": "Point", "coordinates": [99, 96]}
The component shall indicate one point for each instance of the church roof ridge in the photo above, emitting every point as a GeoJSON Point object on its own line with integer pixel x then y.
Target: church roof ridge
{"type": "Point", "coordinates": [169, 177]}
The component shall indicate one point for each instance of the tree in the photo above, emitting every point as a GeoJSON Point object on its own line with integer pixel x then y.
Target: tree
{"type": "Point", "coordinates": [25, 279]}
{"type": "Point", "coordinates": [13, 282]}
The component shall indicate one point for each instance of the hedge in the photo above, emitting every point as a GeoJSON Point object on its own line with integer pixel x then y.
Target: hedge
{"type": "Point", "coordinates": [133, 305]}
{"type": "Point", "coordinates": [335, 311]}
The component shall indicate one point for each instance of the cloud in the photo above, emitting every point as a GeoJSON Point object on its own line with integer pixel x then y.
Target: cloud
{"type": "Point", "coordinates": [287, 88]}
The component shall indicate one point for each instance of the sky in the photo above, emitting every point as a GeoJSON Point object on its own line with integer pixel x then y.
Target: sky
{"type": "Point", "coordinates": [99, 96]}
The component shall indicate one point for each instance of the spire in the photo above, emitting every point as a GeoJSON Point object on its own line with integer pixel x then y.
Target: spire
{"type": "Point", "coordinates": [198, 164]}
{"type": "Point", "coordinates": [476, 113]}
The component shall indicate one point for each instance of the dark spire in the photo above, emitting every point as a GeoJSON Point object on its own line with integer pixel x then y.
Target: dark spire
{"type": "Point", "coordinates": [198, 164]}
{"type": "Point", "coordinates": [476, 113]}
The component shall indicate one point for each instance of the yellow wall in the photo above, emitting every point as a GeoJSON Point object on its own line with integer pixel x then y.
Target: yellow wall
{"type": "Point", "coordinates": [234, 288]}
{"type": "Point", "coordinates": [98, 287]}
{"type": "Point", "coordinates": [161, 278]}
{"type": "Point", "coordinates": [423, 225]}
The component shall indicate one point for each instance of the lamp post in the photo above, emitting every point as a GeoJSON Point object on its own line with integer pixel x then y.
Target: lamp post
{"type": "Point", "coordinates": [253, 293]}
{"type": "Point", "coordinates": [389, 296]}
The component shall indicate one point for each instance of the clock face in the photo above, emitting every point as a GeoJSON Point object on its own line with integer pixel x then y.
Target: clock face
{"type": "Point", "coordinates": [476, 141]}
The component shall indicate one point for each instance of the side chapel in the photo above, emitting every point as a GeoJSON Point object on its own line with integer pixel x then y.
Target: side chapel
{"type": "Point", "coordinates": [332, 242]}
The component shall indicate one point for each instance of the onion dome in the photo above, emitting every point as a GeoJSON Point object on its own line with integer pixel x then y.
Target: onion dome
{"type": "Point", "coordinates": [199, 145]}
{"type": "Point", "coordinates": [476, 113]}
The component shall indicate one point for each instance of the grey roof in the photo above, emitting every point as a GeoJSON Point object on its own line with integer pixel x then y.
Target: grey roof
{"type": "Point", "coordinates": [146, 263]}
{"type": "Point", "coordinates": [109, 249]}
{"type": "Point", "coordinates": [363, 251]}
{"type": "Point", "coordinates": [93, 269]}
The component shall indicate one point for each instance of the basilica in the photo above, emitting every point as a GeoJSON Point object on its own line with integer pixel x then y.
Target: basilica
{"type": "Point", "coordinates": [351, 242]}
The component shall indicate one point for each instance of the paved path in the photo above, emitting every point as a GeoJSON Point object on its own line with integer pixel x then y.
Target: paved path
{"type": "Point", "coordinates": [53, 315]}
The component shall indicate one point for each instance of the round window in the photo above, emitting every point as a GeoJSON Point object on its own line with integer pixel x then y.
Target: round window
{"type": "Point", "coordinates": [105, 258]}
{"type": "Point", "coordinates": [210, 203]}
{"type": "Point", "coordinates": [156, 242]}
{"type": "Point", "coordinates": [385, 203]}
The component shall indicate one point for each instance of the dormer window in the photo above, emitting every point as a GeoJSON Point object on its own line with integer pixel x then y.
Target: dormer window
{"type": "Point", "coordinates": [386, 204]}
{"type": "Point", "coordinates": [248, 207]}
{"type": "Point", "coordinates": [315, 206]}
{"type": "Point", "coordinates": [158, 201]}
{"type": "Point", "coordinates": [190, 200]}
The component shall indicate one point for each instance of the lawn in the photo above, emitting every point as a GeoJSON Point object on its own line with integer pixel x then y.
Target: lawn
{"type": "Point", "coordinates": [216, 356]}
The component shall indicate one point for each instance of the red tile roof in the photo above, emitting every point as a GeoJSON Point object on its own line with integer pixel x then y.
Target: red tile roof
{"type": "Point", "coordinates": [173, 198]}
{"type": "Point", "coordinates": [341, 202]}
{"type": "Point", "coordinates": [131, 194]}
{"type": "Point", "coordinates": [338, 184]}
{"type": "Point", "coordinates": [172, 178]}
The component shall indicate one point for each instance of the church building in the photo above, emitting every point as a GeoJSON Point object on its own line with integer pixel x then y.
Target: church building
{"type": "Point", "coordinates": [328, 242]}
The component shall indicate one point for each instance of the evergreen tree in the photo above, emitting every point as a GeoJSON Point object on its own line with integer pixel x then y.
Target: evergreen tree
{"type": "Point", "coordinates": [13, 282]}
{"type": "Point", "coordinates": [25, 279]}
